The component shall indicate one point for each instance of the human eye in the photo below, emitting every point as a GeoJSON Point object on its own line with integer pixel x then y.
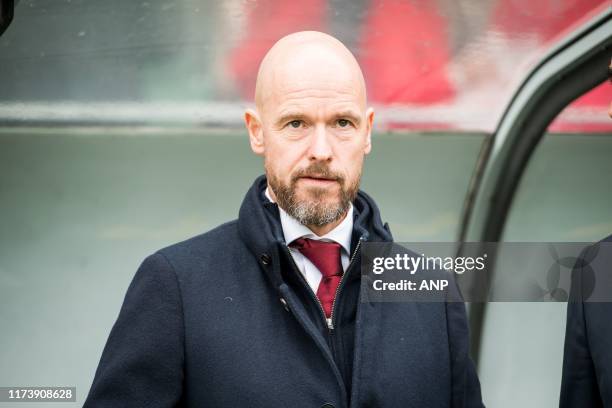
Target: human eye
{"type": "Point", "coordinates": [295, 124]}
{"type": "Point", "coordinates": [344, 123]}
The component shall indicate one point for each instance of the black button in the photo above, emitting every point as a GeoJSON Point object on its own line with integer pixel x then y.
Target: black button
{"type": "Point", "coordinates": [265, 259]}
{"type": "Point", "coordinates": [328, 405]}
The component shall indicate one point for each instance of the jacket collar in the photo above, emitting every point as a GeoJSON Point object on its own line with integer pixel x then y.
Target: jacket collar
{"type": "Point", "coordinates": [260, 228]}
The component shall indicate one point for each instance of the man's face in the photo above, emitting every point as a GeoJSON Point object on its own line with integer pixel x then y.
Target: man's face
{"type": "Point", "coordinates": [316, 132]}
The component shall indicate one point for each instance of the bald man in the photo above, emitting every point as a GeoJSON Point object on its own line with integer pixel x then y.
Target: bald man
{"type": "Point", "coordinates": [265, 310]}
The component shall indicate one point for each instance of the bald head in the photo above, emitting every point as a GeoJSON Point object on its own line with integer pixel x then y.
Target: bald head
{"type": "Point", "coordinates": [308, 59]}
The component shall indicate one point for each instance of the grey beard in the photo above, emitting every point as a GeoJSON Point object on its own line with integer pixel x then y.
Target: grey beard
{"type": "Point", "coordinates": [312, 212]}
{"type": "Point", "coordinates": [316, 213]}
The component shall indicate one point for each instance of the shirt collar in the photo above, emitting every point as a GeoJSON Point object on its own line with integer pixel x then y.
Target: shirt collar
{"type": "Point", "coordinates": [293, 229]}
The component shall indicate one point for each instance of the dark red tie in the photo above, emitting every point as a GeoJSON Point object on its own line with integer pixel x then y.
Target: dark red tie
{"type": "Point", "coordinates": [326, 257]}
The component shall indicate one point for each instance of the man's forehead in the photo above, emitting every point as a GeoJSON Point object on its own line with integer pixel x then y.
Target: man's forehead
{"type": "Point", "coordinates": [312, 88]}
{"type": "Point", "coordinates": [299, 88]}
{"type": "Point", "coordinates": [311, 102]}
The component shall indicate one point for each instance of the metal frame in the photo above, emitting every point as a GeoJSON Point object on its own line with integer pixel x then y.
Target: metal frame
{"type": "Point", "coordinates": [7, 11]}
{"type": "Point", "coordinates": [573, 67]}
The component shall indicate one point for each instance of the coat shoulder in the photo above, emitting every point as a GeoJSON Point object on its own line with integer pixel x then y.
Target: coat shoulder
{"type": "Point", "coordinates": [220, 241]}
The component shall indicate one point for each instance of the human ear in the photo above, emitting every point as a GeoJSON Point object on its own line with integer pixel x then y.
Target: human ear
{"type": "Point", "coordinates": [254, 127]}
{"type": "Point", "coordinates": [369, 123]}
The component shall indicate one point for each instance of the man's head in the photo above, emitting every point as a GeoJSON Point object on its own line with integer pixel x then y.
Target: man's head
{"type": "Point", "coordinates": [311, 126]}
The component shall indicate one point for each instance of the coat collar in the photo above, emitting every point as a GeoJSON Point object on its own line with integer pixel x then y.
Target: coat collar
{"type": "Point", "coordinates": [260, 228]}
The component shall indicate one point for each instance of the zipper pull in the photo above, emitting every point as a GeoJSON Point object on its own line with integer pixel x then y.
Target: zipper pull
{"type": "Point", "coordinates": [330, 325]}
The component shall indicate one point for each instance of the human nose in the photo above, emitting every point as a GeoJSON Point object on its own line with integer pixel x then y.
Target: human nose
{"type": "Point", "coordinates": [320, 148]}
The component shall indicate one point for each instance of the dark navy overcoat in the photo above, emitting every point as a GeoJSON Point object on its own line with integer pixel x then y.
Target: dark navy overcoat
{"type": "Point", "coordinates": [224, 319]}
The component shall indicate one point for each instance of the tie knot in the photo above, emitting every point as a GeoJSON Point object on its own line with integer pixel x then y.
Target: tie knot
{"type": "Point", "coordinates": [324, 255]}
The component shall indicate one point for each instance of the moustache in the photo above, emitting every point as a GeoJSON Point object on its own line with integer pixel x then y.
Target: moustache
{"type": "Point", "coordinates": [318, 170]}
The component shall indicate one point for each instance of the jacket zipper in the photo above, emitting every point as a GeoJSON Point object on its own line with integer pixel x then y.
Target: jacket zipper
{"type": "Point", "coordinates": [312, 294]}
{"type": "Point", "coordinates": [328, 322]}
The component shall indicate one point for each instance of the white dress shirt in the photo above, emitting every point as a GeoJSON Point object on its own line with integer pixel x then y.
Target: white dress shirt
{"type": "Point", "coordinates": [292, 230]}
